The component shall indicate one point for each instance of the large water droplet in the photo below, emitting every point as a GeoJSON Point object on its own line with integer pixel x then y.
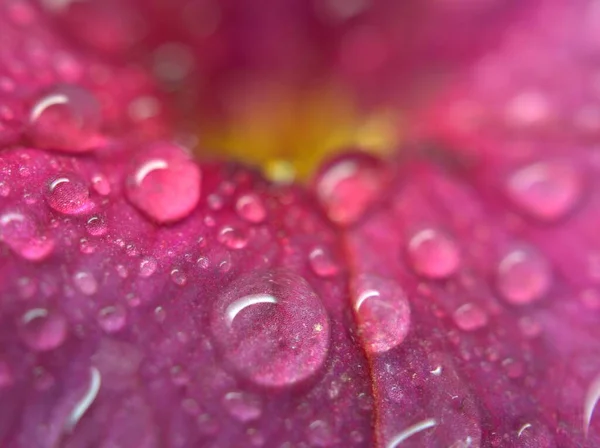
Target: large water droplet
{"type": "Point", "coordinates": [546, 190]}
{"type": "Point", "coordinates": [42, 330]}
{"type": "Point", "coordinates": [242, 406]}
{"type": "Point", "coordinates": [251, 208]}
{"type": "Point", "coordinates": [164, 183]}
{"type": "Point", "coordinates": [112, 318]}
{"type": "Point", "coordinates": [322, 263]}
{"type": "Point", "coordinates": [272, 327]}
{"type": "Point", "coordinates": [65, 118]}
{"type": "Point", "coordinates": [523, 276]}
{"type": "Point", "coordinates": [382, 313]}
{"type": "Point", "coordinates": [23, 235]}
{"type": "Point", "coordinates": [348, 186]}
{"type": "Point", "coordinates": [470, 317]}
{"type": "Point", "coordinates": [68, 194]}
{"type": "Point", "coordinates": [433, 254]}
{"type": "Point", "coordinates": [232, 238]}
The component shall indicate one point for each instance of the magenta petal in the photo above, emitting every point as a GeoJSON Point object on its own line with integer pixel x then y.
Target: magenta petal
{"type": "Point", "coordinates": [503, 350]}
{"type": "Point", "coordinates": [217, 330]}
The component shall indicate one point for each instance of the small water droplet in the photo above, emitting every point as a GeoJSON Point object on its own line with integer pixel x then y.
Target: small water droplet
{"type": "Point", "coordinates": [215, 202]}
{"type": "Point", "coordinates": [349, 185]}
{"type": "Point", "coordinates": [160, 314]}
{"type": "Point", "coordinates": [86, 246]}
{"type": "Point", "coordinates": [178, 277]}
{"type": "Point", "coordinates": [523, 276]}
{"type": "Point", "coordinates": [320, 434]}
{"type": "Point", "coordinates": [43, 330]}
{"type": "Point", "coordinates": [4, 189]}
{"type": "Point", "coordinates": [68, 194]}
{"type": "Point", "coordinates": [148, 266]}
{"type": "Point", "coordinates": [23, 235]}
{"type": "Point", "coordinates": [470, 317]}
{"type": "Point", "coordinates": [112, 318]}
{"type": "Point", "coordinates": [382, 313]}
{"type": "Point", "coordinates": [86, 283]}
{"type": "Point", "coordinates": [292, 340]}
{"type": "Point", "coordinates": [242, 406]}
{"type": "Point", "coordinates": [96, 225]}
{"type": "Point", "coordinates": [546, 190]}
{"type": "Point", "coordinates": [232, 238]}
{"type": "Point", "coordinates": [322, 263]}
{"type": "Point", "coordinates": [433, 254]}
{"type": "Point", "coordinates": [179, 376]}
{"type": "Point", "coordinates": [101, 185]}
{"type": "Point", "coordinates": [164, 183]}
{"type": "Point", "coordinates": [65, 118]}
{"type": "Point", "coordinates": [250, 207]}
{"type": "Point", "coordinates": [203, 262]}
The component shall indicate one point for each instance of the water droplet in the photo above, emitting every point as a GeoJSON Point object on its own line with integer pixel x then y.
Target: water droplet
{"type": "Point", "coordinates": [546, 190]}
{"type": "Point", "coordinates": [320, 434]}
{"type": "Point", "coordinates": [433, 254]}
{"type": "Point", "coordinates": [470, 317]}
{"type": "Point", "coordinates": [348, 186]}
{"type": "Point", "coordinates": [179, 376]}
{"type": "Point", "coordinates": [242, 406]}
{"type": "Point", "coordinates": [96, 226]}
{"type": "Point", "coordinates": [250, 207]}
{"type": "Point", "coordinates": [272, 327]}
{"type": "Point", "coordinates": [382, 313]}
{"type": "Point", "coordinates": [66, 118]}
{"type": "Point", "coordinates": [164, 183]}
{"type": "Point", "coordinates": [232, 238]}
{"type": "Point", "coordinates": [148, 266]}
{"type": "Point", "coordinates": [215, 202]}
{"type": "Point", "coordinates": [523, 276]}
{"type": "Point", "coordinates": [112, 318]}
{"type": "Point", "coordinates": [4, 189]}
{"type": "Point", "coordinates": [86, 283]}
{"type": "Point", "coordinates": [203, 262]}
{"type": "Point", "coordinates": [68, 194]}
{"type": "Point", "coordinates": [43, 330]}
{"type": "Point", "coordinates": [178, 277]}
{"type": "Point", "coordinates": [160, 314]}
{"type": "Point", "coordinates": [23, 235]}
{"type": "Point", "coordinates": [101, 185]}
{"type": "Point", "coordinates": [86, 246]}
{"type": "Point", "coordinates": [322, 263]}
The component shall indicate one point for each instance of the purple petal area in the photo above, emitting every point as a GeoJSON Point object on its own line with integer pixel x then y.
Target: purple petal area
{"type": "Point", "coordinates": [503, 350]}
{"type": "Point", "coordinates": [216, 330]}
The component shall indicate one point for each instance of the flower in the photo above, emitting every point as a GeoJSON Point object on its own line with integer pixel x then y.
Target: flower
{"type": "Point", "coordinates": [440, 294]}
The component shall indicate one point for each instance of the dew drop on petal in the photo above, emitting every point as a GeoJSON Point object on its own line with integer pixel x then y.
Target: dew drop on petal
{"type": "Point", "coordinates": [470, 317]}
{"type": "Point", "coordinates": [112, 318]}
{"type": "Point", "coordinates": [85, 282]}
{"type": "Point", "coordinates": [272, 328]}
{"type": "Point", "coordinates": [42, 330]}
{"type": "Point", "coordinates": [320, 434]}
{"type": "Point", "coordinates": [250, 207]}
{"type": "Point", "coordinates": [96, 225]}
{"type": "Point", "coordinates": [101, 185]}
{"type": "Point", "coordinates": [546, 190]}
{"type": "Point", "coordinates": [164, 183]}
{"type": "Point", "coordinates": [68, 194]}
{"type": "Point", "coordinates": [348, 186]}
{"type": "Point", "coordinates": [65, 118]}
{"type": "Point", "coordinates": [242, 406]}
{"type": "Point", "coordinates": [523, 276]}
{"type": "Point", "coordinates": [433, 254]}
{"type": "Point", "coordinates": [232, 238]}
{"type": "Point", "coordinates": [23, 235]}
{"type": "Point", "coordinates": [382, 313]}
{"type": "Point", "coordinates": [178, 277]}
{"type": "Point", "coordinates": [148, 266]}
{"type": "Point", "coordinates": [322, 263]}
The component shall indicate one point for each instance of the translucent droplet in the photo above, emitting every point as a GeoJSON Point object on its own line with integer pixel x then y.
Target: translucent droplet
{"type": "Point", "coordinates": [250, 207]}
{"type": "Point", "coordinates": [272, 328]}
{"type": "Point", "coordinates": [96, 225]}
{"type": "Point", "coordinates": [348, 186]}
{"type": "Point", "coordinates": [86, 246]}
{"type": "Point", "coordinates": [546, 190]}
{"type": "Point", "coordinates": [242, 406]}
{"type": "Point", "coordinates": [433, 254]}
{"type": "Point", "coordinates": [320, 434]}
{"type": "Point", "coordinates": [232, 238]}
{"type": "Point", "coordinates": [101, 185]}
{"type": "Point", "coordinates": [112, 318]}
{"type": "Point", "coordinates": [65, 118]}
{"type": "Point", "coordinates": [160, 314]}
{"type": "Point", "coordinates": [43, 330]}
{"type": "Point", "coordinates": [164, 183]}
{"type": "Point", "coordinates": [148, 266]}
{"type": "Point", "coordinates": [86, 283]}
{"type": "Point", "coordinates": [322, 263]}
{"type": "Point", "coordinates": [23, 235]}
{"type": "Point", "coordinates": [179, 376]}
{"type": "Point", "coordinates": [178, 277]}
{"type": "Point", "coordinates": [470, 317]}
{"type": "Point", "coordinates": [68, 194]}
{"type": "Point", "coordinates": [382, 313]}
{"type": "Point", "coordinates": [523, 276]}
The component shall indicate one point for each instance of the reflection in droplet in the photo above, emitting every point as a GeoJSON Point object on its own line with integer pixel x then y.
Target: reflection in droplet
{"type": "Point", "coordinates": [86, 401]}
{"type": "Point", "coordinates": [589, 404]}
{"type": "Point", "coordinates": [411, 431]}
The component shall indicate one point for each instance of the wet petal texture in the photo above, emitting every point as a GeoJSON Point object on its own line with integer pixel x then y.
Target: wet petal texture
{"type": "Point", "coordinates": [503, 348]}
{"type": "Point", "coordinates": [55, 97]}
{"type": "Point", "coordinates": [214, 330]}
